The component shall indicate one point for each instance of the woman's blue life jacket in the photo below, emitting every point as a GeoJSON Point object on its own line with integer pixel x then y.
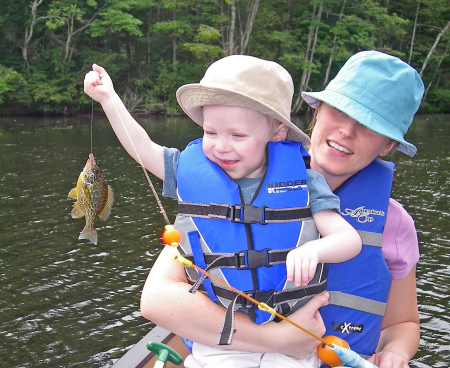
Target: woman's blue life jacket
{"type": "Point", "coordinates": [246, 245]}
{"type": "Point", "coordinates": [359, 287]}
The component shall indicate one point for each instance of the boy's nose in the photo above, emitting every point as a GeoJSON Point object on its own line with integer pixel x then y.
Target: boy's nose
{"type": "Point", "coordinates": [222, 145]}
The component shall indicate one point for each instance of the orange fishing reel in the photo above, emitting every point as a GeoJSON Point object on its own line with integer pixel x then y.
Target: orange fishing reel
{"type": "Point", "coordinates": [327, 355]}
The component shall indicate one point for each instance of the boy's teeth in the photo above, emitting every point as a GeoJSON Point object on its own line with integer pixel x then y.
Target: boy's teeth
{"type": "Point", "coordinates": [338, 147]}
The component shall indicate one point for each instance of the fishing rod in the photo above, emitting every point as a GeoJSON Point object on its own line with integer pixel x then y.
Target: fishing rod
{"type": "Point", "coordinates": [343, 353]}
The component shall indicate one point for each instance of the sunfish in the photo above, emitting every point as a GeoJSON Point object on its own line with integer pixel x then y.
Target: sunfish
{"type": "Point", "coordinates": [94, 198]}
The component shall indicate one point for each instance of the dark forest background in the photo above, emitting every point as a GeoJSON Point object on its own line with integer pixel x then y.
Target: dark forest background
{"type": "Point", "coordinates": [151, 47]}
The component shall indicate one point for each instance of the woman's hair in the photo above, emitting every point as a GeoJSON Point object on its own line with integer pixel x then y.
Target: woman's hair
{"type": "Point", "coordinates": [312, 123]}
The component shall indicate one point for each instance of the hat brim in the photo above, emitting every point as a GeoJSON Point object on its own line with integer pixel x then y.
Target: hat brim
{"type": "Point", "coordinates": [192, 97]}
{"type": "Point", "coordinates": [361, 114]}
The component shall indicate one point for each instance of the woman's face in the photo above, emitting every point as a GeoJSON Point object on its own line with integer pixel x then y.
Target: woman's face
{"type": "Point", "coordinates": [340, 146]}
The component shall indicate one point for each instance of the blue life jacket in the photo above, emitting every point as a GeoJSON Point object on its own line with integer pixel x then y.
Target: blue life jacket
{"type": "Point", "coordinates": [359, 288]}
{"type": "Point", "coordinates": [246, 244]}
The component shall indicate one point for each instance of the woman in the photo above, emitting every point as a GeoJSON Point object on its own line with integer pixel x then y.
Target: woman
{"type": "Point", "coordinates": [362, 114]}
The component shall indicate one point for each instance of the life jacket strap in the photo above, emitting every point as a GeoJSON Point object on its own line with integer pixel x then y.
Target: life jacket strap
{"type": "Point", "coordinates": [273, 298]}
{"type": "Point", "coordinates": [244, 260]}
{"type": "Point", "coordinates": [357, 303]}
{"type": "Point", "coordinates": [370, 238]}
{"type": "Point", "coordinates": [227, 331]}
{"type": "Point", "coordinates": [245, 214]}
{"type": "Point", "coordinates": [204, 276]}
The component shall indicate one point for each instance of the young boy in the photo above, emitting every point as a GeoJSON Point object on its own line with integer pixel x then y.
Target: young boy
{"type": "Point", "coordinates": [247, 210]}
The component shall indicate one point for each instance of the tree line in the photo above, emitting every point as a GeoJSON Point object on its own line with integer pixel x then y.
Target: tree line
{"type": "Point", "coordinates": [151, 47]}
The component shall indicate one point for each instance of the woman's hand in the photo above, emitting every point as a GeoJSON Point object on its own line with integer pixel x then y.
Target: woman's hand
{"type": "Point", "coordinates": [387, 359]}
{"type": "Point", "coordinates": [97, 84]}
{"type": "Point", "coordinates": [400, 332]}
{"type": "Point", "coordinates": [290, 340]}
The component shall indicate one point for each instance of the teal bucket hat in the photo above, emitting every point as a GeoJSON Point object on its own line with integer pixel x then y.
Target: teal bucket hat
{"type": "Point", "coordinates": [379, 91]}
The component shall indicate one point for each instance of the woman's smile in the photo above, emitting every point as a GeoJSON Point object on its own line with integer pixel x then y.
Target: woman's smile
{"type": "Point", "coordinates": [338, 147]}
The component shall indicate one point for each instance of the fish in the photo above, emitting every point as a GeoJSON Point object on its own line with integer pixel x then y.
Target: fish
{"type": "Point", "coordinates": [93, 199]}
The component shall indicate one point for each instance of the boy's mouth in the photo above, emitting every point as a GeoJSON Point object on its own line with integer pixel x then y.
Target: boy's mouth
{"type": "Point", "coordinates": [227, 163]}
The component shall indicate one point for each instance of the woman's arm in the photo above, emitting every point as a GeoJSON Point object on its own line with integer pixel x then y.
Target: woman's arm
{"type": "Point", "coordinates": [166, 301]}
{"type": "Point", "coordinates": [400, 333]}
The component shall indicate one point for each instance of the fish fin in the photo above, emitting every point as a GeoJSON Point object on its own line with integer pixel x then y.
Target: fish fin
{"type": "Point", "coordinates": [89, 234]}
{"type": "Point", "coordinates": [109, 202]}
{"type": "Point", "coordinates": [77, 212]}
{"type": "Point", "coordinates": [73, 193]}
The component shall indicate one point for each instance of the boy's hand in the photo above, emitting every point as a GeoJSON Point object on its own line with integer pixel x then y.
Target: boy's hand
{"type": "Point", "coordinates": [301, 264]}
{"type": "Point", "coordinates": [97, 84]}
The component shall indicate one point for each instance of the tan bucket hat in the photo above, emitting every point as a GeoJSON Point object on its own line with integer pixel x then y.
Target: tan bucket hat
{"type": "Point", "coordinates": [244, 81]}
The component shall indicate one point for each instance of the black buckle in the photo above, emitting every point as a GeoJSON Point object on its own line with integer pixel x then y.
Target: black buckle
{"type": "Point", "coordinates": [260, 296]}
{"type": "Point", "coordinates": [265, 297]}
{"type": "Point", "coordinates": [248, 214]}
{"type": "Point", "coordinates": [252, 259]}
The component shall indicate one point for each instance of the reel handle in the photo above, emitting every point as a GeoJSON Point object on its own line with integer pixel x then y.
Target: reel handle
{"type": "Point", "coordinates": [165, 353]}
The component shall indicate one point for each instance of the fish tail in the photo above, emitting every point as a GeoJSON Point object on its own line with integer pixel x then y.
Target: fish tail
{"type": "Point", "coordinates": [89, 234]}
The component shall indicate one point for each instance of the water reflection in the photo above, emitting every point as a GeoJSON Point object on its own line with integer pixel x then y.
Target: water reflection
{"type": "Point", "coordinates": [68, 303]}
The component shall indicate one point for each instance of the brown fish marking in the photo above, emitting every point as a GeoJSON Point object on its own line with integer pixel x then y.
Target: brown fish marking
{"type": "Point", "coordinates": [94, 198]}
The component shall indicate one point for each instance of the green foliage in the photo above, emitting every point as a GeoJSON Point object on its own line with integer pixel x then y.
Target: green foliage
{"type": "Point", "coordinates": [204, 52]}
{"type": "Point", "coordinates": [206, 34]}
{"type": "Point", "coordinates": [51, 95]}
{"type": "Point", "coordinates": [121, 21]}
{"type": "Point", "coordinates": [151, 47]}
{"type": "Point", "coordinates": [205, 48]}
{"type": "Point", "coordinates": [60, 12]}
{"type": "Point", "coordinates": [437, 100]}
{"type": "Point", "coordinates": [171, 28]}
{"type": "Point", "coordinates": [10, 82]}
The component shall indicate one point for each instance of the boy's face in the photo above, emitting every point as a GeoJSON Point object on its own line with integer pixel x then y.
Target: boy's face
{"type": "Point", "coordinates": [235, 138]}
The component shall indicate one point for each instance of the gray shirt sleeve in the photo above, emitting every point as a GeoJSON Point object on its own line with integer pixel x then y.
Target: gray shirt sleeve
{"type": "Point", "coordinates": [171, 158]}
{"type": "Point", "coordinates": [320, 195]}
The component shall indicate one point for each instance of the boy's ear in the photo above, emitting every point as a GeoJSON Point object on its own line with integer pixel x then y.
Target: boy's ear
{"type": "Point", "coordinates": [280, 132]}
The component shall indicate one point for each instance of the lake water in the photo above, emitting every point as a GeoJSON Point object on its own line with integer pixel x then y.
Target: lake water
{"type": "Point", "coordinates": [68, 303]}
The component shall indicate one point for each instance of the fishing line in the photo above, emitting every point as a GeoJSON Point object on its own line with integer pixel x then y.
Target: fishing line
{"type": "Point", "coordinates": [92, 119]}
{"type": "Point", "coordinates": [276, 289]}
{"type": "Point", "coordinates": [166, 218]}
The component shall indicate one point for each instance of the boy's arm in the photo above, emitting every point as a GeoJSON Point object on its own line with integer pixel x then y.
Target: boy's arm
{"type": "Point", "coordinates": [98, 85]}
{"type": "Point", "coordinates": [339, 242]}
